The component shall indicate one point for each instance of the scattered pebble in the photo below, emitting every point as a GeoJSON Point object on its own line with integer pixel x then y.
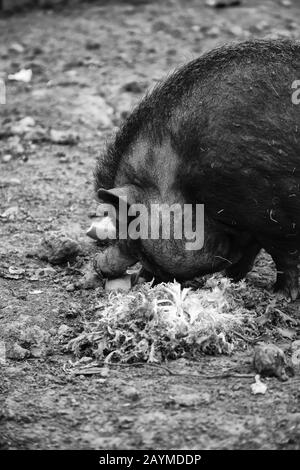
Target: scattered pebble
{"type": "Point", "coordinates": [24, 75]}
{"type": "Point", "coordinates": [222, 3]}
{"type": "Point", "coordinates": [236, 30]}
{"type": "Point", "coordinates": [15, 270]}
{"type": "Point", "coordinates": [70, 287]}
{"type": "Point", "coordinates": [10, 213]}
{"type": "Point", "coordinates": [286, 3]}
{"type": "Point", "coordinates": [9, 182]}
{"type": "Point", "coordinates": [214, 31]}
{"type": "Point", "coordinates": [131, 393]}
{"type": "Point", "coordinates": [64, 137]}
{"type": "Point", "coordinates": [105, 371]}
{"type": "Point", "coordinates": [7, 158]}
{"type": "Point", "coordinates": [258, 387]}
{"type": "Point", "coordinates": [16, 47]}
{"type": "Point", "coordinates": [190, 399]}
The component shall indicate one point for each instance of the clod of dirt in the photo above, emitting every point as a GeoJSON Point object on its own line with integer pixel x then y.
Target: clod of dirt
{"type": "Point", "coordinates": [36, 134]}
{"type": "Point", "coordinates": [17, 352]}
{"type": "Point", "coordinates": [134, 87]}
{"type": "Point", "coordinates": [91, 45]}
{"type": "Point", "coordinates": [64, 137]}
{"type": "Point", "coordinates": [270, 360]}
{"type": "Point", "coordinates": [190, 399]}
{"type": "Point", "coordinates": [64, 331]}
{"type": "Point", "coordinates": [24, 125]}
{"type": "Point", "coordinates": [58, 248]}
{"type": "Point", "coordinates": [36, 340]}
{"type": "Point", "coordinates": [112, 262]}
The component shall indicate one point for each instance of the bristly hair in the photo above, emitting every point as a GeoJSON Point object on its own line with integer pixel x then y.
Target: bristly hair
{"type": "Point", "coordinates": [152, 115]}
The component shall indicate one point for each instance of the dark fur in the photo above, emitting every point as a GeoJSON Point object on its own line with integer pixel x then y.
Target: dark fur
{"type": "Point", "coordinates": [232, 123]}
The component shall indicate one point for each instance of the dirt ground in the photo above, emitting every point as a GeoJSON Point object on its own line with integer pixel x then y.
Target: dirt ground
{"type": "Point", "coordinates": [90, 64]}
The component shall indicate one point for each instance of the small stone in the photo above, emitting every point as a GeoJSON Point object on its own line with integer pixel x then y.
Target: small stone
{"type": "Point", "coordinates": [258, 387]}
{"type": "Point", "coordinates": [24, 75]}
{"type": "Point", "coordinates": [6, 158]}
{"type": "Point", "coordinates": [222, 3]}
{"type": "Point", "coordinates": [236, 30]}
{"type": "Point", "coordinates": [286, 3]}
{"type": "Point", "coordinates": [70, 287]}
{"type": "Point", "coordinates": [92, 45]}
{"type": "Point", "coordinates": [16, 47]}
{"type": "Point", "coordinates": [105, 372]}
{"type": "Point", "coordinates": [64, 137]}
{"type": "Point", "coordinates": [214, 31]}
{"type": "Point", "coordinates": [10, 213]}
{"type": "Point", "coordinates": [131, 393]}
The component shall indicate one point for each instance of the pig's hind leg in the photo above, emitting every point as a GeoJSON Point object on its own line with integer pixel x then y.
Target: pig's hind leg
{"type": "Point", "coordinates": [287, 280]}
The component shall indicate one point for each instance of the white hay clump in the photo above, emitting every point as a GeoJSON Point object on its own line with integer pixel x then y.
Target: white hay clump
{"type": "Point", "coordinates": [164, 322]}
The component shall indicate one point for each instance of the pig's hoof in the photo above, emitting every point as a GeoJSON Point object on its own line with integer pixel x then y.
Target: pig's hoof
{"type": "Point", "coordinates": [287, 284]}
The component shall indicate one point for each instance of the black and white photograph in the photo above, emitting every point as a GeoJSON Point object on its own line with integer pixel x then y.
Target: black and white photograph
{"type": "Point", "coordinates": [149, 230]}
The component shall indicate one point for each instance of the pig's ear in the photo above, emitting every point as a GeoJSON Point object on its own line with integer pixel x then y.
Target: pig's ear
{"type": "Point", "coordinates": [112, 196]}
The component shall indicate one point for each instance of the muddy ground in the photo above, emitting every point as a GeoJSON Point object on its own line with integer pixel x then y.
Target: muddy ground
{"type": "Point", "coordinates": [91, 63]}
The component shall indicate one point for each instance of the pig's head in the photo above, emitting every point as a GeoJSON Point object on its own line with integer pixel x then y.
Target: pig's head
{"type": "Point", "coordinates": [149, 176]}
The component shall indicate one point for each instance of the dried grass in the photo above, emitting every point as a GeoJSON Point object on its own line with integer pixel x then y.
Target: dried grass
{"type": "Point", "coordinates": [167, 321]}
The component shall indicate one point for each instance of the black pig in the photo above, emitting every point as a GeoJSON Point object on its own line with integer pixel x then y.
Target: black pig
{"type": "Point", "coordinates": [222, 131]}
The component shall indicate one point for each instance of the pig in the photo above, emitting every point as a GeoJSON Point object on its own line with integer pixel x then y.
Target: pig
{"type": "Point", "coordinates": [222, 131]}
